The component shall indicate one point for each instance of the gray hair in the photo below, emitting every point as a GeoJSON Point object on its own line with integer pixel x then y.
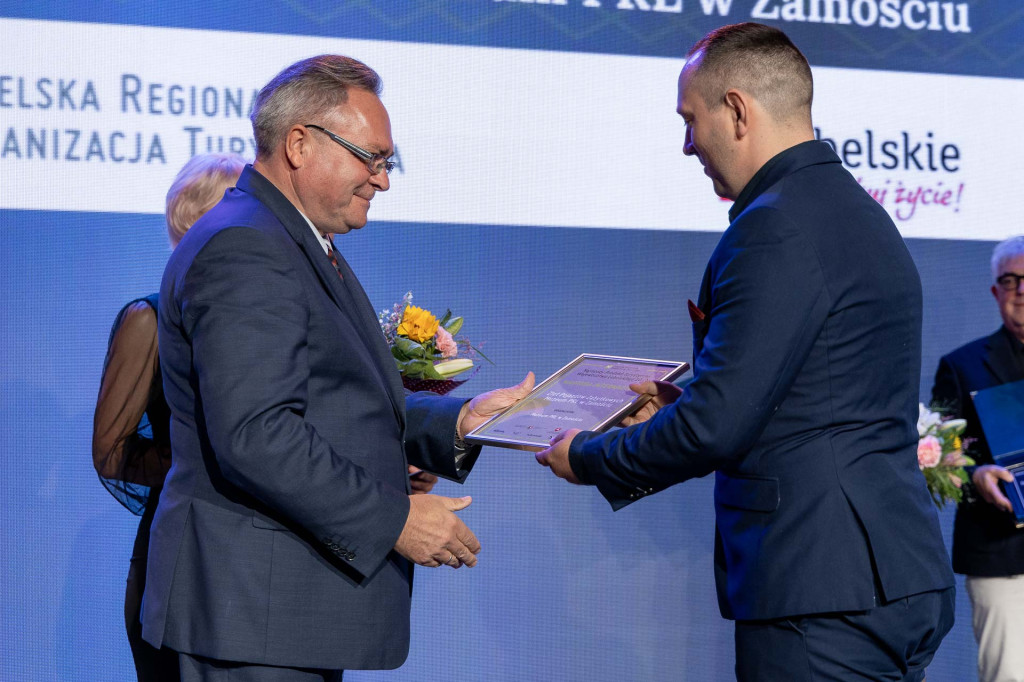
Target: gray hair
{"type": "Point", "coordinates": [1004, 252]}
{"type": "Point", "coordinates": [758, 59]}
{"type": "Point", "coordinates": [197, 188]}
{"type": "Point", "coordinates": [305, 92]}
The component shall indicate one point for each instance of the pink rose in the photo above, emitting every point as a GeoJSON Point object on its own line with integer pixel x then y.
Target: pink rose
{"type": "Point", "coordinates": [929, 452]}
{"type": "Point", "coordinates": [445, 343]}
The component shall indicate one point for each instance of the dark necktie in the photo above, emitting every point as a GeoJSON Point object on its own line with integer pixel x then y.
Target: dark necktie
{"type": "Point", "coordinates": [334, 258]}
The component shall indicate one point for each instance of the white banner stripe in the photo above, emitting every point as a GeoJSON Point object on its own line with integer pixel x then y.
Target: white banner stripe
{"type": "Point", "coordinates": [485, 136]}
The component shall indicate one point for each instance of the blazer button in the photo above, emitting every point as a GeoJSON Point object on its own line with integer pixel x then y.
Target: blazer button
{"type": "Point", "coordinates": [350, 556]}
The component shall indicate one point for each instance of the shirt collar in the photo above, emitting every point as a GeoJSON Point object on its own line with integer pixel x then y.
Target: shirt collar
{"type": "Point", "coordinates": [779, 166]}
{"type": "Point", "coordinates": [326, 243]}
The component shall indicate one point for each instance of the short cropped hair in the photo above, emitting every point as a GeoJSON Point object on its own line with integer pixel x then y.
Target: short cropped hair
{"type": "Point", "coordinates": [1004, 252]}
{"type": "Point", "coordinates": [197, 188]}
{"type": "Point", "coordinates": [303, 93]}
{"type": "Point", "coordinates": [757, 59]}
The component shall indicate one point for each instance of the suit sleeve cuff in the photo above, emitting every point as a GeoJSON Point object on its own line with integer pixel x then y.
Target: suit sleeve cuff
{"type": "Point", "coordinates": [577, 462]}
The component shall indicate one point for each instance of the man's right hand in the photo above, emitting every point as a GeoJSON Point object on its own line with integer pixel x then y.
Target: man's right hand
{"type": "Point", "coordinates": [434, 535]}
{"type": "Point", "coordinates": [986, 481]}
{"type": "Point", "coordinates": [659, 394]}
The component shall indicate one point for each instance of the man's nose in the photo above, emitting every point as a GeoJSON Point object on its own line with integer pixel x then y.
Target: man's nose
{"type": "Point", "coordinates": [688, 143]}
{"type": "Point", "coordinates": [380, 181]}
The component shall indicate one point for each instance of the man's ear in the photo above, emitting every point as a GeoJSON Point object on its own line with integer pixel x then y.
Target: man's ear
{"type": "Point", "coordinates": [738, 104]}
{"type": "Point", "coordinates": [297, 146]}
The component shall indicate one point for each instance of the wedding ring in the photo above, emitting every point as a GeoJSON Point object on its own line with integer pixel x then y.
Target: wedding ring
{"type": "Point", "coordinates": [451, 557]}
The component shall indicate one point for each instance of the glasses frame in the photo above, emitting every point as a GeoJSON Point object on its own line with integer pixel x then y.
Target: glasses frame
{"type": "Point", "coordinates": [1003, 281]}
{"type": "Point", "coordinates": [375, 163]}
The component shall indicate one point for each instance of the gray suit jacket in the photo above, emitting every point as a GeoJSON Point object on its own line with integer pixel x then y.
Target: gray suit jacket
{"type": "Point", "coordinates": [291, 434]}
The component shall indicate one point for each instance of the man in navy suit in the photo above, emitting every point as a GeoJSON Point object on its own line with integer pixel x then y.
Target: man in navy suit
{"type": "Point", "coordinates": [987, 547]}
{"type": "Point", "coordinates": [807, 359]}
{"type": "Point", "coordinates": [283, 545]}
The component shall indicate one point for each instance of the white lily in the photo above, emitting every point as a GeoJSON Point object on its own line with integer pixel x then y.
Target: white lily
{"type": "Point", "coordinates": [927, 421]}
{"type": "Point", "coordinates": [450, 368]}
{"type": "Point", "coordinates": [956, 426]}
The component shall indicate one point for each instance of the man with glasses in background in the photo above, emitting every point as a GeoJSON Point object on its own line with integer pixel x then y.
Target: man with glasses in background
{"type": "Point", "coordinates": [987, 547]}
{"type": "Point", "coordinates": [283, 545]}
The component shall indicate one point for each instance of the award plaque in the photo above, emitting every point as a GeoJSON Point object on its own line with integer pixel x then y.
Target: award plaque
{"type": "Point", "coordinates": [591, 393]}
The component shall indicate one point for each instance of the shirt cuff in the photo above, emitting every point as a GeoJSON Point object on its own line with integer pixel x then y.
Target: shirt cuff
{"type": "Point", "coordinates": [462, 448]}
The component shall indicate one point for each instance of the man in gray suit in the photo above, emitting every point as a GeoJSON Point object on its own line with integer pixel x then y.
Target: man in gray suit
{"type": "Point", "coordinates": [284, 541]}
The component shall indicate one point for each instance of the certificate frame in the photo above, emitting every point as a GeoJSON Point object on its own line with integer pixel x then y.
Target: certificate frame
{"type": "Point", "coordinates": [549, 408]}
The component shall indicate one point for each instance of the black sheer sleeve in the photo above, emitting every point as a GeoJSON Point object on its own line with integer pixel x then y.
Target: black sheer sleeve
{"type": "Point", "coordinates": [130, 444]}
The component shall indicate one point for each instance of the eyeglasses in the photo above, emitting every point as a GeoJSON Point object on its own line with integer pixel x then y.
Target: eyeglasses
{"type": "Point", "coordinates": [1009, 281]}
{"type": "Point", "coordinates": [375, 162]}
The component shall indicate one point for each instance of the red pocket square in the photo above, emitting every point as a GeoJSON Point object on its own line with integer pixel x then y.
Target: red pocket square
{"type": "Point", "coordinates": [696, 314]}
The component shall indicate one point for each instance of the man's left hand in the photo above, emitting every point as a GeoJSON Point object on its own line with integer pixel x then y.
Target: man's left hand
{"type": "Point", "coordinates": [556, 457]}
{"type": "Point", "coordinates": [486, 405]}
{"type": "Point", "coordinates": [421, 482]}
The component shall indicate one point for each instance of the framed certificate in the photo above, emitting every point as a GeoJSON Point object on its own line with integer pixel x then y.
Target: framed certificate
{"type": "Point", "coordinates": [591, 393]}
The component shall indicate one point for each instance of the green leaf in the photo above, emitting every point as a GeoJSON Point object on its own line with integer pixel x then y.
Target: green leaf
{"type": "Point", "coordinates": [444, 320]}
{"type": "Point", "coordinates": [417, 369]}
{"type": "Point", "coordinates": [941, 486]}
{"type": "Point", "coordinates": [432, 373]}
{"type": "Point", "coordinates": [410, 348]}
{"type": "Point", "coordinates": [453, 326]}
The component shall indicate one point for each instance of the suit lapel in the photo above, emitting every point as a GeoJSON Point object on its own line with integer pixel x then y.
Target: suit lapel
{"type": "Point", "coordinates": [347, 294]}
{"type": "Point", "coordinates": [700, 327]}
{"type": "Point", "coordinates": [365, 321]}
{"type": "Point", "coordinates": [999, 358]}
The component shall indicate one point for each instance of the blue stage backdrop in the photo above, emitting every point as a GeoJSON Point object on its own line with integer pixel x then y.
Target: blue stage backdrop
{"type": "Point", "coordinates": [541, 193]}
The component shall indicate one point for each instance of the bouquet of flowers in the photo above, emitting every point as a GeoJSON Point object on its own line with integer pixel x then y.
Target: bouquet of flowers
{"type": "Point", "coordinates": [940, 456]}
{"type": "Point", "coordinates": [427, 349]}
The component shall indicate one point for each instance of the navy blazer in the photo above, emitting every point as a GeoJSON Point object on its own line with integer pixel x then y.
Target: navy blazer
{"type": "Point", "coordinates": [803, 402]}
{"type": "Point", "coordinates": [985, 541]}
{"type": "Point", "coordinates": [273, 541]}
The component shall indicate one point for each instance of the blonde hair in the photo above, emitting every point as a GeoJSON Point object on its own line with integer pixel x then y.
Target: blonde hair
{"type": "Point", "coordinates": [197, 188]}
